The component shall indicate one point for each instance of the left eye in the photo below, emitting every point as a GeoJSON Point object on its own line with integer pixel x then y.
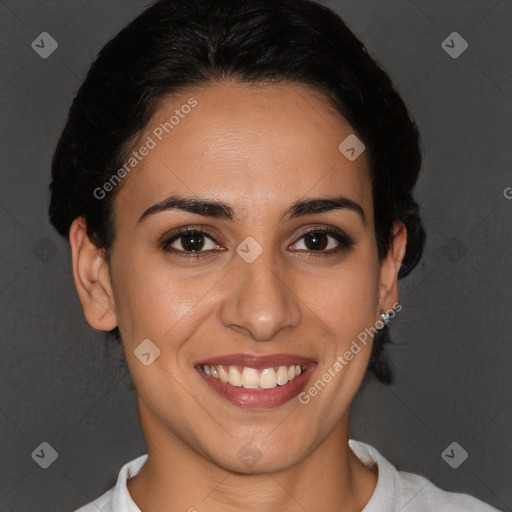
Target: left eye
{"type": "Point", "coordinates": [316, 241]}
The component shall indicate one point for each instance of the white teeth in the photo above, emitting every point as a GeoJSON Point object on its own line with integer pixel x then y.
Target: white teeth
{"type": "Point", "coordinates": [234, 377]}
{"type": "Point", "coordinates": [282, 375]}
{"type": "Point", "coordinates": [251, 378]}
{"type": "Point", "coordinates": [268, 378]}
{"type": "Point", "coordinates": [223, 374]}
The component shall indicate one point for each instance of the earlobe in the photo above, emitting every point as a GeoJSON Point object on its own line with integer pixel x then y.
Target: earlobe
{"type": "Point", "coordinates": [390, 266]}
{"type": "Point", "coordinates": [92, 279]}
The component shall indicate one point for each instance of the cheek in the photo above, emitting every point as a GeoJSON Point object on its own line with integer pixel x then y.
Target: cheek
{"type": "Point", "coordinates": [155, 299]}
{"type": "Point", "coordinates": [345, 298]}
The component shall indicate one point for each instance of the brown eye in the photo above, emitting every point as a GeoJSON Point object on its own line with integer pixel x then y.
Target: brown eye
{"type": "Point", "coordinates": [316, 241]}
{"type": "Point", "coordinates": [323, 241]}
{"type": "Point", "coordinates": [189, 242]}
{"type": "Point", "coordinates": [192, 241]}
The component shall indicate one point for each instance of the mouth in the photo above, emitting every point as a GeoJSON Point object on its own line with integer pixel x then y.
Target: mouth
{"type": "Point", "coordinates": [250, 381]}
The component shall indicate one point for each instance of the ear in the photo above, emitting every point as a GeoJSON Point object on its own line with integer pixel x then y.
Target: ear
{"type": "Point", "coordinates": [92, 278]}
{"type": "Point", "coordinates": [390, 265]}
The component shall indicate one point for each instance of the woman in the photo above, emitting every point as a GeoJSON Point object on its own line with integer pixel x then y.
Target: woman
{"type": "Point", "coordinates": [235, 179]}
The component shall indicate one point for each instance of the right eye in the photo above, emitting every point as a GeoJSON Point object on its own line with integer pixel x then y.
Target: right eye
{"type": "Point", "coordinates": [189, 242]}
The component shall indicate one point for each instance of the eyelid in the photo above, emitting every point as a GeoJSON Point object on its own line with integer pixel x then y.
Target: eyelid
{"type": "Point", "coordinates": [169, 238]}
{"type": "Point", "coordinates": [330, 230]}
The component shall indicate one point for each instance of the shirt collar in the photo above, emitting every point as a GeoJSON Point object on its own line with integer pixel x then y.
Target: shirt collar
{"type": "Point", "coordinates": [121, 499]}
{"type": "Point", "coordinates": [382, 499]}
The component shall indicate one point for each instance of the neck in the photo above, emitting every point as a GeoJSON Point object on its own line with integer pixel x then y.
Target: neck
{"type": "Point", "coordinates": [176, 478]}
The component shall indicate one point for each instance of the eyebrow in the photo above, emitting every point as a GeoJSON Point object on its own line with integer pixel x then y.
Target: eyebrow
{"type": "Point", "coordinates": [220, 210]}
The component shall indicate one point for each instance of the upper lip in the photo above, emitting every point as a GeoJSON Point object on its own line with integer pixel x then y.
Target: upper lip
{"type": "Point", "coordinates": [256, 361]}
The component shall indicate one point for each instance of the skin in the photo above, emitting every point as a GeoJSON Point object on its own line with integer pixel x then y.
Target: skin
{"type": "Point", "coordinates": [259, 149]}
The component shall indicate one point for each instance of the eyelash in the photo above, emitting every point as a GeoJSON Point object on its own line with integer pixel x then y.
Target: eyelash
{"type": "Point", "coordinates": [344, 240]}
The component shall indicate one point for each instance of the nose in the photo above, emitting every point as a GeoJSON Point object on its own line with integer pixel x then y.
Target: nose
{"type": "Point", "coordinates": [261, 301]}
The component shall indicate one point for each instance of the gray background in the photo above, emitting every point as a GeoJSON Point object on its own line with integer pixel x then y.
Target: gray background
{"type": "Point", "coordinates": [452, 349]}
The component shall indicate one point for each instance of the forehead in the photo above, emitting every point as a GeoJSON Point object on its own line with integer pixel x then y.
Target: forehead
{"type": "Point", "coordinates": [258, 148]}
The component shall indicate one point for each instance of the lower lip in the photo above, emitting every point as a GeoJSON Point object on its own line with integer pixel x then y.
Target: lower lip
{"type": "Point", "coordinates": [260, 398]}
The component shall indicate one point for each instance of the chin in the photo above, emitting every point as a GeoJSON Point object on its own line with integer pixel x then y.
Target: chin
{"type": "Point", "coordinates": [258, 457]}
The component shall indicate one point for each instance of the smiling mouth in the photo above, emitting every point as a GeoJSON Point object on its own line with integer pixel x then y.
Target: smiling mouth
{"type": "Point", "coordinates": [253, 378]}
{"type": "Point", "coordinates": [257, 381]}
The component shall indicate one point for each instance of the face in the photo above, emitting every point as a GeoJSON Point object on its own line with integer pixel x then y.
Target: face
{"type": "Point", "coordinates": [256, 286]}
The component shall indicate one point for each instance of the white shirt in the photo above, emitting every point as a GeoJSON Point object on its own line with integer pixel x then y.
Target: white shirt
{"type": "Point", "coordinates": [395, 490]}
